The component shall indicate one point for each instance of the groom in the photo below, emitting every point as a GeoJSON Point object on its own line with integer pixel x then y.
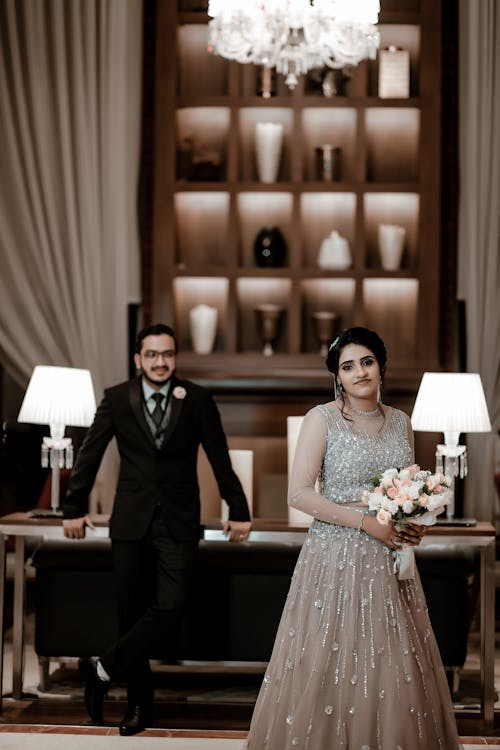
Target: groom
{"type": "Point", "coordinates": [159, 422]}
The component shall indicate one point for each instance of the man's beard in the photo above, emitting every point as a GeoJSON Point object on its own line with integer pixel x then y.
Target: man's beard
{"type": "Point", "coordinates": [161, 382]}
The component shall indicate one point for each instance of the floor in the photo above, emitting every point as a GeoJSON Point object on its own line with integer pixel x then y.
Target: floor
{"type": "Point", "coordinates": [204, 712]}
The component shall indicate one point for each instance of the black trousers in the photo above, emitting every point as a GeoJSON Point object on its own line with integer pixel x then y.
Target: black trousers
{"type": "Point", "coordinates": [153, 580]}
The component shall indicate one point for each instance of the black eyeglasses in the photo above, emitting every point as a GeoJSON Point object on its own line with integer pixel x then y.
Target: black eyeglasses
{"type": "Point", "coordinates": [153, 354]}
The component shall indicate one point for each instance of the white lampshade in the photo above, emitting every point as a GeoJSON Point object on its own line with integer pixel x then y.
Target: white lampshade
{"type": "Point", "coordinates": [450, 402]}
{"type": "Point", "coordinates": [59, 396]}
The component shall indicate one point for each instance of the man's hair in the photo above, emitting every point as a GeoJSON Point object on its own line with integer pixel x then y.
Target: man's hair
{"type": "Point", "coordinates": [155, 330]}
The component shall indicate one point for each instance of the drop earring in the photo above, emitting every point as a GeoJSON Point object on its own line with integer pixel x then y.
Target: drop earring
{"type": "Point", "coordinates": [379, 392]}
{"type": "Point", "coordinates": [338, 391]}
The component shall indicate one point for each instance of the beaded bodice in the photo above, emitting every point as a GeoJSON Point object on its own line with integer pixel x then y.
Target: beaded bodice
{"type": "Point", "coordinates": [352, 457]}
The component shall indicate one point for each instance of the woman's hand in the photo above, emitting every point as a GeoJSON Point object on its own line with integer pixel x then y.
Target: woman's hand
{"type": "Point", "coordinates": [393, 536]}
{"type": "Point", "coordinates": [386, 534]}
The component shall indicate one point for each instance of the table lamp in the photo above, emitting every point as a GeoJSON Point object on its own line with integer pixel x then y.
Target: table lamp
{"type": "Point", "coordinates": [451, 402]}
{"type": "Point", "coordinates": [59, 397]}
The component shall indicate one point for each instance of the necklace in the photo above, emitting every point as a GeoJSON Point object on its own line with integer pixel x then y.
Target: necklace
{"type": "Point", "coordinates": [375, 413]}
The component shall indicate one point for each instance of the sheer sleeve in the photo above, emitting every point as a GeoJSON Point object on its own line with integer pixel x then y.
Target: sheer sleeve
{"type": "Point", "coordinates": [309, 454]}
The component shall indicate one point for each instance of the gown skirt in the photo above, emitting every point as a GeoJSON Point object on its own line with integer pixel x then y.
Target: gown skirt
{"type": "Point", "coordinates": [355, 664]}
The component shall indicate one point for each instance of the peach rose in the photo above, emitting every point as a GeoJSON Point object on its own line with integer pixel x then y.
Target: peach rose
{"type": "Point", "coordinates": [179, 392]}
{"type": "Point", "coordinates": [383, 517]}
{"type": "Point", "coordinates": [424, 500]}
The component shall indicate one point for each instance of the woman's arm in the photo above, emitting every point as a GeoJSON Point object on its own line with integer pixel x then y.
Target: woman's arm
{"type": "Point", "coordinates": [309, 454]}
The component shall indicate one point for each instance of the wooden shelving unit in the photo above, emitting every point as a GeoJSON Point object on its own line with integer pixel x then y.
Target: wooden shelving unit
{"type": "Point", "coordinates": [204, 229]}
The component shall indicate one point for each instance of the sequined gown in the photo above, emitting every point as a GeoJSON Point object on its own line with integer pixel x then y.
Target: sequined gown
{"type": "Point", "coordinates": [355, 663]}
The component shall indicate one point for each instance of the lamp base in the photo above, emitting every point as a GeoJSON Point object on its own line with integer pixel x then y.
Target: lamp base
{"type": "Point", "coordinates": [45, 513]}
{"type": "Point", "coordinates": [456, 522]}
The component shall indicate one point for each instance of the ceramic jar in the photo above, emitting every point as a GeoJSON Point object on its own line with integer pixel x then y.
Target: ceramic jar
{"type": "Point", "coordinates": [334, 252]}
{"type": "Point", "coordinates": [270, 248]}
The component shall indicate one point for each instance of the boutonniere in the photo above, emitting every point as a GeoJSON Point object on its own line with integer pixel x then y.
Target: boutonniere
{"type": "Point", "coordinates": [179, 392]}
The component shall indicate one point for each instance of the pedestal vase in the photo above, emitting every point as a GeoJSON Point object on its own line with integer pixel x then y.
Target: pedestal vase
{"type": "Point", "coordinates": [326, 325]}
{"type": "Point", "coordinates": [268, 319]}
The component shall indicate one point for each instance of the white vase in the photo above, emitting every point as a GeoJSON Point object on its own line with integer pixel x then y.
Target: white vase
{"type": "Point", "coordinates": [334, 252]}
{"type": "Point", "coordinates": [203, 326]}
{"type": "Point", "coordinates": [391, 242]}
{"type": "Point", "coordinates": [268, 145]}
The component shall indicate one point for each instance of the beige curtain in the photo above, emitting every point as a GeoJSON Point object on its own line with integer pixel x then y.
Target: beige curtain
{"type": "Point", "coordinates": [70, 74]}
{"type": "Point", "coordinates": [479, 230]}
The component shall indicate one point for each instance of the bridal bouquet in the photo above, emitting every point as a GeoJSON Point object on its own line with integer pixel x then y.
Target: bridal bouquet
{"type": "Point", "coordinates": [408, 495]}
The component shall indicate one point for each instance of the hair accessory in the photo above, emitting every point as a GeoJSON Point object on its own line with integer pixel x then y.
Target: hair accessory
{"type": "Point", "coordinates": [334, 343]}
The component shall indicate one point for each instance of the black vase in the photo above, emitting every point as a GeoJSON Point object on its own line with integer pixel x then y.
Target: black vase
{"type": "Point", "coordinates": [270, 248]}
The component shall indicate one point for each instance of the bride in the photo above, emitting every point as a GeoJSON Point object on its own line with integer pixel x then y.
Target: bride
{"type": "Point", "coordinates": [355, 664]}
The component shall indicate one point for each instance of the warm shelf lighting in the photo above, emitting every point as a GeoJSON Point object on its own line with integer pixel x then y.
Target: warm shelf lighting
{"type": "Point", "coordinates": [294, 36]}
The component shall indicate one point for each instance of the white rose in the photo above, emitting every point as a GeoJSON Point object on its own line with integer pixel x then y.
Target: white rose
{"type": "Point", "coordinates": [414, 490]}
{"type": "Point", "coordinates": [392, 506]}
{"type": "Point", "coordinates": [390, 474]}
{"type": "Point", "coordinates": [408, 507]}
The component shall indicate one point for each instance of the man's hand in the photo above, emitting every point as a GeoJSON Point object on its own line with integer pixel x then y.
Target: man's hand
{"type": "Point", "coordinates": [238, 530]}
{"type": "Point", "coordinates": [74, 528]}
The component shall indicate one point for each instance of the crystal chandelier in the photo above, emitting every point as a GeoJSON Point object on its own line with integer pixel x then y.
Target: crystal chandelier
{"type": "Point", "coordinates": [294, 36]}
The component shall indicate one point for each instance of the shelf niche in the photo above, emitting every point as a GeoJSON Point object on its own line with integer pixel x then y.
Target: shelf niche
{"type": "Point", "coordinates": [392, 141]}
{"type": "Point", "coordinates": [248, 119]}
{"type": "Point", "coordinates": [390, 308]}
{"type": "Point", "coordinates": [200, 73]}
{"type": "Point", "coordinates": [336, 127]}
{"type": "Point", "coordinates": [202, 137]}
{"type": "Point", "coordinates": [252, 292]}
{"type": "Point", "coordinates": [257, 211]}
{"type": "Point", "coordinates": [202, 219]}
{"type": "Point", "coordinates": [401, 209]}
{"type": "Point", "coordinates": [320, 214]}
{"type": "Point", "coordinates": [325, 295]}
{"type": "Point", "coordinates": [192, 291]}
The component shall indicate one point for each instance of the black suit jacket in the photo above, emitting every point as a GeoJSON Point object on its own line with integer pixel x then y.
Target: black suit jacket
{"type": "Point", "coordinates": [149, 476]}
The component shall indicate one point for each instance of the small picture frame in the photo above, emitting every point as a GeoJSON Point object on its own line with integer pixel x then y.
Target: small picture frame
{"type": "Point", "coordinates": [394, 73]}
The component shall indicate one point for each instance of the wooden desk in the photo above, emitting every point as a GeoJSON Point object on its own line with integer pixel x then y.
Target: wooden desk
{"type": "Point", "coordinates": [481, 537]}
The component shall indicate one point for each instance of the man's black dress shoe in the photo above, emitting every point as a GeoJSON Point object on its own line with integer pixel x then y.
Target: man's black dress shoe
{"type": "Point", "coordinates": [136, 720]}
{"type": "Point", "coordinates": [95, 692]}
